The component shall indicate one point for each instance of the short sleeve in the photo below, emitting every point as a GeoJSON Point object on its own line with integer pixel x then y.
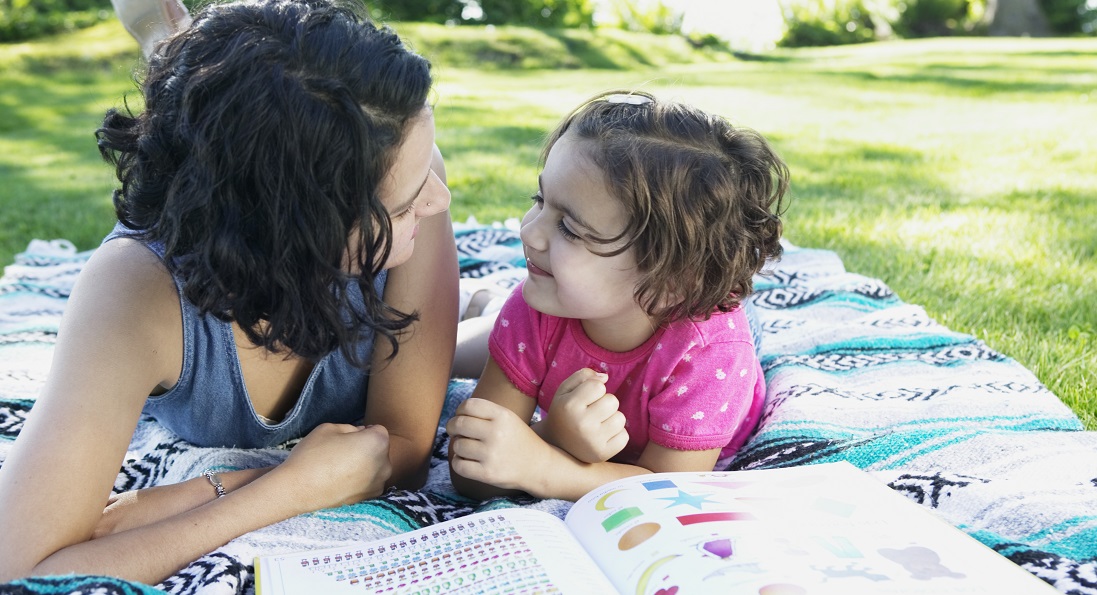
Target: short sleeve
{"type": "Point", "coordinates": [517, 344]}
{"type": "Point", "coordinates": [706, 398]}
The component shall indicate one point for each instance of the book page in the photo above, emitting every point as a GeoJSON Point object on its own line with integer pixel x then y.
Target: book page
{"type": "Point", "coordinates": [502, 551]}
{"type": "Point", "coordinates": [816, 529]}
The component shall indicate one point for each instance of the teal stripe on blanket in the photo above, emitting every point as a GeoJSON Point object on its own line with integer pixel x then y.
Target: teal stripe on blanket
{"type": "Point", "coordinates": [1072, 538]}
{"type": "Point", "coordinates": [907, 342]}
{"type": "Point", "coordinates": [983, 423]}
{"type": "Point", "coordinates": [858, 360]}
{"type": "Point", "coordinates": [374, 512]}
{"type": "Point", "coordinates": [1080, 550]}
{"type": "Point", "coordinates": [80, 584]}
{"type": "Point", "coordinates": [896, 445]}
{"type": "Point", "coordinates": [845, 300]}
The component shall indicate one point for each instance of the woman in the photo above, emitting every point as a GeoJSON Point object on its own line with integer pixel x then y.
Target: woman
{"type": "Point", "coordinates": [277, 251]}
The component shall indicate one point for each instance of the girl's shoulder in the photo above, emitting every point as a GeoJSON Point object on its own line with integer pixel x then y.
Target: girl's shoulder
{"type": "Point", "coordinates": [721, 327]}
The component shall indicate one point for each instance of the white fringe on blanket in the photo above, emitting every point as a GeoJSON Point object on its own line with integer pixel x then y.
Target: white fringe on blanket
{"type": "Point", "coordinates": [853, 374]}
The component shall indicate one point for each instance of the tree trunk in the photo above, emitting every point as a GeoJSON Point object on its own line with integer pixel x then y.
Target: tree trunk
{"type": "Point", "coordinates": [1016, 18]}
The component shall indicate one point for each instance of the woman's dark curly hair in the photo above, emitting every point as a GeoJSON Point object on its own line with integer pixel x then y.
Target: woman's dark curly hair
{"type": "Point", "coordinates": [703, 199]}
{"type": "Point", "coordinates": [267, 130]}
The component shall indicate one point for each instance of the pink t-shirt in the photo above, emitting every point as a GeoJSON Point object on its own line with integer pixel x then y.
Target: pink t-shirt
{"type": "Point", "coordinates": [694, 385]}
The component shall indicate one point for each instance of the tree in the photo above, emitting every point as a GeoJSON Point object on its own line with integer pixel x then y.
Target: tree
{"type": "Point", "coordinates": [1016, 17]}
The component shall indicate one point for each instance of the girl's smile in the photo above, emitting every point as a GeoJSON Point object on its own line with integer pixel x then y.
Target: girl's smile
{"type": "Point", "coordinates": [536, 270]}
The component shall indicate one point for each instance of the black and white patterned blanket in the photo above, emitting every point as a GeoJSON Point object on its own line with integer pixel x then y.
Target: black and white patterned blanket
{"type": "Point", "coordinates": [853, 374]}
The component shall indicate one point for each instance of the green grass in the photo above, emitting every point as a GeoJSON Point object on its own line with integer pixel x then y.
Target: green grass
{"type": "Point", "coordinates": [961, 171]}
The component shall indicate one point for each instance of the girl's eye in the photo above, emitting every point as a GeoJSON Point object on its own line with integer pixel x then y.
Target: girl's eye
{"type": "Point", "coordinates": [567, 233]}
{"type": "Point", "coordinates": [564, 231]}
{"type": "Point", "coordinates": [407, 211]}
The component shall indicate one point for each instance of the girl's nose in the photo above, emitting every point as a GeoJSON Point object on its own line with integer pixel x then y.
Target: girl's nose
{"type": "Point", "coordinates": [531, 231]}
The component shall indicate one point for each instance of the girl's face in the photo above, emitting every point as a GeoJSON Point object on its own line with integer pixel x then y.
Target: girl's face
{"type": "Point", "coordinates": [412, 190]}
{"type": "Point", "coordinates": [566, 277]}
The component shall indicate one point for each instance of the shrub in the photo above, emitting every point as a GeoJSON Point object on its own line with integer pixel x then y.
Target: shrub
{"type": "Point", "coordinates": [542, 13]}
{"type": "Point", "coordinates": [27, 19]}
{"type": "Point", "coordinates": [827, 22]}
{"type": "Point", "coordinates": [1071, 17]}
{"type": "Point", "coordinates": [931, 18]}
{"type": "Point", "coordinates": [650, 16]}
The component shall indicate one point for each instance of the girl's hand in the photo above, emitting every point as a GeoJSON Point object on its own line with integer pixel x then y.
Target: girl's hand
{"type": "Point", "coordinates": [337, 464]}
{"type": "Point", "coordinates": [492, 445]}
{"type": "Point", "coordinates": [584, 419]}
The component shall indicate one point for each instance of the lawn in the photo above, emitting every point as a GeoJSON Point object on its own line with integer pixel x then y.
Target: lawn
{"type": "Point", "coordinates": [959, 171]}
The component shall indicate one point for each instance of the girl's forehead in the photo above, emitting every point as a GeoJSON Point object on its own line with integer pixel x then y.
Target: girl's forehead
{"type": "Point", "coordinates": [574, 184]}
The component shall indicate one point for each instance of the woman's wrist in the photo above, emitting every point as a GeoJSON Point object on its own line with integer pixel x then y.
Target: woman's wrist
{"type": "Point", "coordinates": [230, 481]}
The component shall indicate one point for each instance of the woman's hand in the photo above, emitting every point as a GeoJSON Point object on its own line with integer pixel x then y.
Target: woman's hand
{"type": "Point", "coordinates": [337, 464]}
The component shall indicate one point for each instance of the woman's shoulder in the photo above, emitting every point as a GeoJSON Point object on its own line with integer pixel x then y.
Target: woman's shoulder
{"type": "Point", "coordinates": [127, 283]}
{"type": "Point", "coordinates": [124, 307]}
{"type": "Point", "coordinates": [130, 263]}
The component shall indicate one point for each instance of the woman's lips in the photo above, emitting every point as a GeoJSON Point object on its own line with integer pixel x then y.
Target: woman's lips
{"type": "Point", "coordinates": [536, 270]}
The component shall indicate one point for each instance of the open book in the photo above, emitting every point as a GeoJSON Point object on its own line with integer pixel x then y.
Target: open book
{"type": "Point", "coordinates": [828, 528]}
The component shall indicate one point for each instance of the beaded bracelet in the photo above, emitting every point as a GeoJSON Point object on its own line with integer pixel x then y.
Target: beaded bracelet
{"type": "Point", "coordinates": [215, 481]}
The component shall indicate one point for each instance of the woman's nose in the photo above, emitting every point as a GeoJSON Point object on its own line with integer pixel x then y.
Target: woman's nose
{"type": "Point", "coordinates": [438, 198]}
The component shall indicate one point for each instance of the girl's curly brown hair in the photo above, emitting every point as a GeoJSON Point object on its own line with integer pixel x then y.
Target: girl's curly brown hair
{"type": "Point", "coordinates": [703, 199]}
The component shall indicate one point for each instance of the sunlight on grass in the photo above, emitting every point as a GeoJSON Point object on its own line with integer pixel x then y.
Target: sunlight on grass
{"type": "Point", "coordinates": [958, 171]}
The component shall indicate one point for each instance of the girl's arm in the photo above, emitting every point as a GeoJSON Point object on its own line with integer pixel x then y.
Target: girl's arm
{"type": "Point", "coordinates": [497, 449]}
{"type": "Point", "coordinates": [407, 393]}
{"type": "Point", "coordinates": [494, 388]}
{"type": "Point", "coordinates": [121, 336]}
{"type": "Point", "coordinates": [494, 452]}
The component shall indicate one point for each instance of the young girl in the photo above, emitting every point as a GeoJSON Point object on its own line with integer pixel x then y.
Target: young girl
{"type": "Point", "coordinates": [650, 219]}
{"type": "Point", "coordinates": [283, 267]}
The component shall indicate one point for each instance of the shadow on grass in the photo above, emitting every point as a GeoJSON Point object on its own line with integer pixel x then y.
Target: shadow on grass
{"type": "Point", "coordinates": [492, 168]}
{"type": "Point", "coordinates": [872, 176]}
{"type": "Point", "coordinates": [591, 52]}
{"type": "Point", "coordinates": [56, 185]}
{"type": "Point", "coordinates": [944, 79]}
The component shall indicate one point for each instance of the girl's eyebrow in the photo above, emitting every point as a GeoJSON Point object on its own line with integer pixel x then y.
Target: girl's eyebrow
{"type": "Point", "coordinates": [567, 211]}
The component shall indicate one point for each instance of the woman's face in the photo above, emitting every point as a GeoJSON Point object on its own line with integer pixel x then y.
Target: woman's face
{"type": "Point", "coordinates": [413, 188]}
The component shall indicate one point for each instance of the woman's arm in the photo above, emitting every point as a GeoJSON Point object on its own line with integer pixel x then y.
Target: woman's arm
{"type": "Point", "coordinates": [121, 336]}
{"type": "Point", "coordinates": [146, 506]}
{"type": "Point", "coordinates": [407, 393]}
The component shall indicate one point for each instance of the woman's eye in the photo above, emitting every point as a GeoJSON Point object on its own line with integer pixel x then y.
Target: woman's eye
{"type": "Point", "coordinates": [567, 233]}
{"type": "Point", "coordinates": [537, 198]}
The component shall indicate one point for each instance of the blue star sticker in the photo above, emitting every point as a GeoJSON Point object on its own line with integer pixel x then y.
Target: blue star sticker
{"type": "Point", "coordinates": [686, 499]}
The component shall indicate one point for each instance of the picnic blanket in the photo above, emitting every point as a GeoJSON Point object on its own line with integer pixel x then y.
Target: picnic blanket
{"type": "Point", "coordinates": [853, 373]}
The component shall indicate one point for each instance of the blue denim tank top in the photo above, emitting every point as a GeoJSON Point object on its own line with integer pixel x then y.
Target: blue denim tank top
{"type": "Point", "coordinates": [209, 405]}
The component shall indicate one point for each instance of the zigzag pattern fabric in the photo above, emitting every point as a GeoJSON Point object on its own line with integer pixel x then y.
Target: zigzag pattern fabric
{"type": "Point", "coordinates": [853, 374]}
